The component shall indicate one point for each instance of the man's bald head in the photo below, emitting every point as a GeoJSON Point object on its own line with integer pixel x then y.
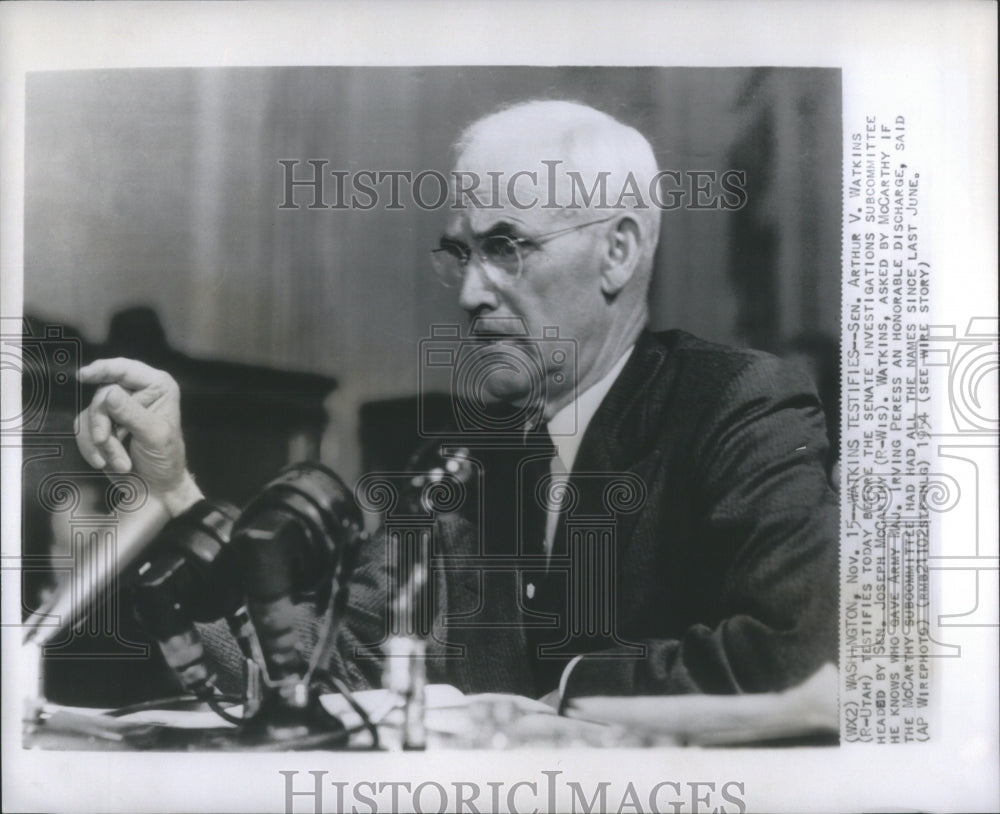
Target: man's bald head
{"type": "Point", "coordinates": [593, 150]}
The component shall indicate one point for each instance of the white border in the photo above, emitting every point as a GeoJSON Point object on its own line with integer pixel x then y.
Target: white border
{"type": "Point", "coordinates": [887, 49]}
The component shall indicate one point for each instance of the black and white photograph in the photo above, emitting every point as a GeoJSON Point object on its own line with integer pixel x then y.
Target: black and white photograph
{"type": "Point", "coordinates": [429, 430]}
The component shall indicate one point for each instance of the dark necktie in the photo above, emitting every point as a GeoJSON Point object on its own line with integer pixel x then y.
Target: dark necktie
{"type": "Point", "coordinates": [542, 592]}
{"type": "Point", "coordinates": [533, 474]}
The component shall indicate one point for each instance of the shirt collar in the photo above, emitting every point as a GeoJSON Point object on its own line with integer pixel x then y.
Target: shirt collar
{"type": "Point", "coordinates": [568, 425]}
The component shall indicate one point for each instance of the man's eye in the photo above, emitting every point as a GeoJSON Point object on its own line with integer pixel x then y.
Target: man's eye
{"type": "Point", "coordinates": [456, 250]}
{"type": "Point", "coordinates": [499, 248]}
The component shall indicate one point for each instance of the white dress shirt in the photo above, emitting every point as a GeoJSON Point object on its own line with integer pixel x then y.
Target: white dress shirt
{"type": "Point", "coordinates": [566, 428]}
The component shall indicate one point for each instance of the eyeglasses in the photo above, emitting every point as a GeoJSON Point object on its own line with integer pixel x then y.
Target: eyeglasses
{"type": "Point", "coordinates": [501, 256]}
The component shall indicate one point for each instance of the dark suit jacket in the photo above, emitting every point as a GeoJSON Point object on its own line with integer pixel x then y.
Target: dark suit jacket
{"type": "Point", "coordinates": [723, 580]}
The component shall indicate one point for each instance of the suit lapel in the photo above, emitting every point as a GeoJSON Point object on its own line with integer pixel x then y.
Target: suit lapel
{"type": "Point", "coordinates": [616, 441]}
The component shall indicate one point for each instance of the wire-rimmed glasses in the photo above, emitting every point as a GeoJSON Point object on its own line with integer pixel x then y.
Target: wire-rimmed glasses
{"type": "Point", "coordinates": [501, 256]}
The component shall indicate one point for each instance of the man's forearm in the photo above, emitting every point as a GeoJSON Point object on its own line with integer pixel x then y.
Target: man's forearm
{"type": "Point", "coordinates": [740, 655]}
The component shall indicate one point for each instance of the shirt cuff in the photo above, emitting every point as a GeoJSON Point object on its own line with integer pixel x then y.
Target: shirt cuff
{"type": "Point", "coordinates": [183, 496]}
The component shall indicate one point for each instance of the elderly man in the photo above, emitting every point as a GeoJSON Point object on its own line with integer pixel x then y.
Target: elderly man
{"type": "Point", "coordinates": [719, 576]}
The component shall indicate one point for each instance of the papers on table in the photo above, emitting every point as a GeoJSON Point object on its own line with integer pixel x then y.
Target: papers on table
{"type": "Point", "coordinates": [498, 721]}
{"type": "Point", "coordinates": [809, 709]}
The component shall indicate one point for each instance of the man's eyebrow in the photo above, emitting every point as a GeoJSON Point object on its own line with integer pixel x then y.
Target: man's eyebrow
{"type": "Point", "coordinates": [499, 228]}
{"type": "Point", "coordinates": [502, 227]}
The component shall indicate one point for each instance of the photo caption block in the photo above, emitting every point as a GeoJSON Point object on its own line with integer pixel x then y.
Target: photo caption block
{"type": "Point", "coordinates": [889, 486]}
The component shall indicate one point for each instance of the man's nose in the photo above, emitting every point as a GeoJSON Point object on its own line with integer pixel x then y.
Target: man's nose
{"type": "Point", "coordinates": [476, 292]}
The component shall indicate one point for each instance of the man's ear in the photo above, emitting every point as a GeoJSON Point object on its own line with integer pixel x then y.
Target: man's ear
{"type": "Point", "coordinates": [622, 255]}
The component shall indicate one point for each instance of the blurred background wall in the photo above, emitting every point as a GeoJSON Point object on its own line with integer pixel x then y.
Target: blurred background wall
{"type": "Point", "coordinates": [162, 188]}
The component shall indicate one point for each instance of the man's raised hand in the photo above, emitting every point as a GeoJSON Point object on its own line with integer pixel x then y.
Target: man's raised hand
{"type": "Point", "coordinates": [133, 423]}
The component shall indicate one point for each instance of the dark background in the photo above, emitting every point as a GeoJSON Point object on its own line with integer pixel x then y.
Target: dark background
{"type": "Point", "coordinates": [161, 188]}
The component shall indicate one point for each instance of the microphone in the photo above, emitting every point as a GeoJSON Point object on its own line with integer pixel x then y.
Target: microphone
{"type": "Point", "coordinates": [190, 577]}
{"type": "Point", "coordinates": [296, 540]}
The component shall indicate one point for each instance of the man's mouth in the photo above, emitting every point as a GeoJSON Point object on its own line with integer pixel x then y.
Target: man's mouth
{"type": "Point", "coordinates": [505, 344]}
{"type": "Point", "coordinates": [491, 328]}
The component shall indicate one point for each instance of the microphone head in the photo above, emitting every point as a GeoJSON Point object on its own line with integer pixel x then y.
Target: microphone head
{"type": "Point", "coordinates": [295, 540]}
{"type": "Point", "coordinates": [307, 518]}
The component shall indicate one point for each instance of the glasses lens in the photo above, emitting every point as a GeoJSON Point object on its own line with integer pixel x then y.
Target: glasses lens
{"type": "Point", "coordinates": [500, 256]}
{"type": "Point", "coordinates": [449, 266]}
{"type": "Point", "coordinates": [501, 251]}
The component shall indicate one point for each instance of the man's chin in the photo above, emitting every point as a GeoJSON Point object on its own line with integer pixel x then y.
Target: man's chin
{"type": "Point", "coordinates": [509, 392]}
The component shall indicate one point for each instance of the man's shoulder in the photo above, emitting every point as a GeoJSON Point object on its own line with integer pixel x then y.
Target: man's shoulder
{"type": "Point", "coordinates": [703, 390]}
{"type": "Point", "coordinates": [701, 365]}
{"type": "Point", "coordinates": [683, 344]}
{"type": "Point", "coordinates": [698, 383]}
